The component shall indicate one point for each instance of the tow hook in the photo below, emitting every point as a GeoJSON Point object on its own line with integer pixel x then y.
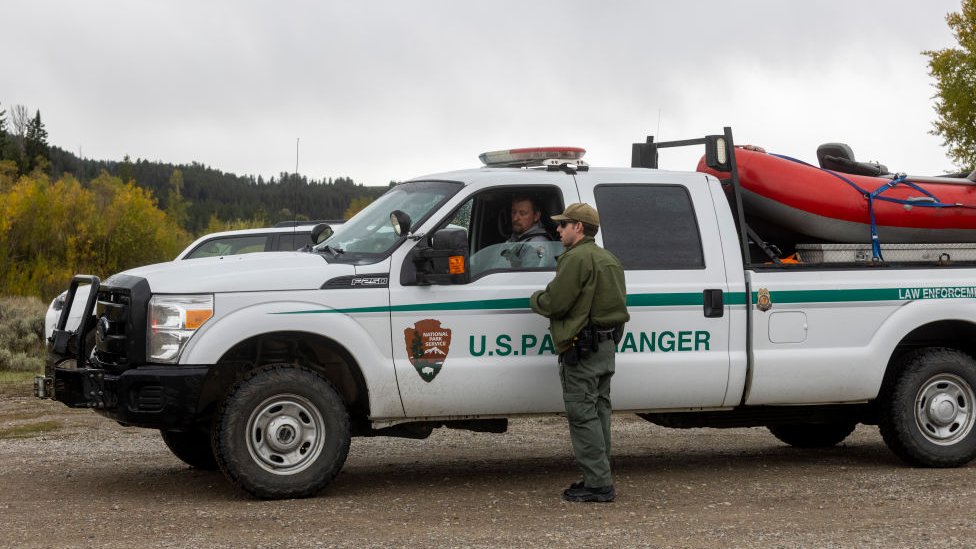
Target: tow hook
{"type": "Point", "coordinates": [43, 387]}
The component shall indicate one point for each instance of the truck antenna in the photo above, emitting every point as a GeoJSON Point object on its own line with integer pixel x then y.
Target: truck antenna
{"type": "Point", "coordinates": [297, 190]}
{"type": "Point", "coordinates": [657, 132]}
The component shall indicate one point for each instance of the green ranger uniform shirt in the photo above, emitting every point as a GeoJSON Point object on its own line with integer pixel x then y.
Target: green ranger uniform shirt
{"type": "Point", "coordinates": [588, 287]}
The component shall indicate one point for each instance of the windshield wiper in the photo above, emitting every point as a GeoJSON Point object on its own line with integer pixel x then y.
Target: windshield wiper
{"type": "Point", "coordinates": [336, 252]}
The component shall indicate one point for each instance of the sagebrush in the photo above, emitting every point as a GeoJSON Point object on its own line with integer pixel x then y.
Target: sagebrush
{"type": "Point", "coordinates": [22, 347]}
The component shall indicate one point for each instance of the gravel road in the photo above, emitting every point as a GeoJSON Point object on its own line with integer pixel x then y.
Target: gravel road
{"type": "Point", "coordinates": [70, 478]}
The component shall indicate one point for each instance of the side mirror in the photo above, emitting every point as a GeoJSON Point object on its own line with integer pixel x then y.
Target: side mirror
{"type": "Point", "coordinates": [717, 153]}
{"type": "Point", "coordinates": [321, 233]}
{"type": "Point", "coordinates": [443, 258]}
{"type": "Point", "coordinates": [401, 222]}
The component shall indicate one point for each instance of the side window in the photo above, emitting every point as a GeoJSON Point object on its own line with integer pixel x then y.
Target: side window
{"type": "Point", "coordinates": [462, 217]}
{"type": "Point", "coordinates": [487, 217]}
{"type": "Point", "coordinates": [232, 245]}
{"type": "Point", "coordinates": [650, 226]}
{"type": "Point", "coordinates": [289, 242]}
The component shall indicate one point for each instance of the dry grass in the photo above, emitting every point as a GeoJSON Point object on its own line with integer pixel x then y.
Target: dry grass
{"type": "Point", "coordinates": [16, 384]}
{"type": "Point", "coordinates": [30, 429]}
{"type": "Point", "coordinates": [17, 378]}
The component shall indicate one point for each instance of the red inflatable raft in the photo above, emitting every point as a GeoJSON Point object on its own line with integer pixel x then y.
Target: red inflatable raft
{"type": "Point", "coordinates": [832, 206]}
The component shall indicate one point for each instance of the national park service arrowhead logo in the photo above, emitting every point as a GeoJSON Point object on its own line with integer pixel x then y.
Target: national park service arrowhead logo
{"type": "Point", "coordinates": [427, 346]}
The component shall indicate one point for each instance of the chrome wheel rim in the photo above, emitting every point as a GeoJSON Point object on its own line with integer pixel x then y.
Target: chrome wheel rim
{"type": "Point", "coordinates": [944, 409]}
{"type": "Point", "coordinates": [285, 434]}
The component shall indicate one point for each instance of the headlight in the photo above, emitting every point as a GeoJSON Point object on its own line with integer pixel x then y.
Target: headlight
{"type": "Point", "coordinates": [172, 321]}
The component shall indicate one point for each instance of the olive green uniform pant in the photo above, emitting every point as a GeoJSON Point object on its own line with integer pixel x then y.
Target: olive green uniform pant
{"type": "Point", "coordinates": [586, 393]}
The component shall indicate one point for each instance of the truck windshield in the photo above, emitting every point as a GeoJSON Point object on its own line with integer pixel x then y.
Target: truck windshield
{"type": "Point", "coordinates": [369, 236]}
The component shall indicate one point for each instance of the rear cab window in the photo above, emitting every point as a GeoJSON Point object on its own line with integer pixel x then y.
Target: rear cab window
{"type": "Point", "coordinates": [650, 227]}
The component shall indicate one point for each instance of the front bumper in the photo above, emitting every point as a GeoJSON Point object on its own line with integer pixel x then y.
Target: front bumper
{"type": "Point", "coordinates": [100, 365]}
{"type": "Point", "coordinates": [158, 397]}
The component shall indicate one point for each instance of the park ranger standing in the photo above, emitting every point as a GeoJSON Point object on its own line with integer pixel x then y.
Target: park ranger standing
{"type": "Point", "coordinates": [586, 304]}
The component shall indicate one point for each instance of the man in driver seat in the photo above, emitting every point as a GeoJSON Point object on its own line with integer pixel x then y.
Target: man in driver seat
{"type": "Point", "coordinates": [527, 230]}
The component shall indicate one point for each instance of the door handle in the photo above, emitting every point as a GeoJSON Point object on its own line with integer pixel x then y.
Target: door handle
{"type": "Point", "coordinates": [714, 303]}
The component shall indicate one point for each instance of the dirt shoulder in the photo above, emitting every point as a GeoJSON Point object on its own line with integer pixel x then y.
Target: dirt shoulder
{"type": "Point", "coordinates": [69, 478]}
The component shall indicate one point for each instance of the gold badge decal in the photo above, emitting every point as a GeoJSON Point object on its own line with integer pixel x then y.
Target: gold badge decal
{"type": "Point", "coordinates": [763, 302]}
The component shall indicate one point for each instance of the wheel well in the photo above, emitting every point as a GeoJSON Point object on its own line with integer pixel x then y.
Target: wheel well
{"type": "Point", "coordinates": [954, 334]}
{"type": "Point", "coordinates": [324, 355]}
{"type": "Point", "coordinates": [951, 334]}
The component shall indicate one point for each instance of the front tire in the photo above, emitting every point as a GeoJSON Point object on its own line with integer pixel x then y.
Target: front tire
{"type": "Point", "coordinates": [282, 432]}
{"type": "Point", "coordinates": [813, 435]}
{"type": "Point", "coordinates": [192, 447]}
{"type": "Point", "coordinates": [928, 413]}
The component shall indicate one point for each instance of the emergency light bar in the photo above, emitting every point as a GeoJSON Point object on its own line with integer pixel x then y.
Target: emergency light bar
{"type": "Point", "coordinates": [533, 156]}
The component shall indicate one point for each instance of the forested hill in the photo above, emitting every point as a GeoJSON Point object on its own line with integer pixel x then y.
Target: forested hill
{"type": "Point", "coordinates": [203, 192]}
{"type": "Point", "coordinates": [61, 215]}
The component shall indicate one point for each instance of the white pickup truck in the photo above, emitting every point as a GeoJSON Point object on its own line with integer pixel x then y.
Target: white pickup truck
{"type": "Point", "coordinates": [412, 317]}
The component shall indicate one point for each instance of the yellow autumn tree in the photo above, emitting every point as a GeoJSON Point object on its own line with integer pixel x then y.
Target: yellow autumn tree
{"type": "Point", "coordinates": [356, 206]}
{"type": "Point", "coordinates": [50, 231]}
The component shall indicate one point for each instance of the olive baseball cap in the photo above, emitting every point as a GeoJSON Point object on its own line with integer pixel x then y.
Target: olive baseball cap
{"type": "Point", "coordinates": [579, 212]}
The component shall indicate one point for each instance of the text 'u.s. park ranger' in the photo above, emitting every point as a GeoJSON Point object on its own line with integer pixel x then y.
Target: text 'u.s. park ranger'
{"type": "Point", "coordinates": [586, 304]}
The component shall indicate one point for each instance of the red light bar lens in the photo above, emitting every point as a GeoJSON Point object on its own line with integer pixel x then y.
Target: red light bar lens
{"type": "Point", "coordinates": [530, 155]}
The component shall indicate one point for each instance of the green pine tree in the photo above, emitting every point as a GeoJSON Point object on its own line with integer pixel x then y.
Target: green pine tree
{"type": "Point", "coordinates": [177, 208]}
{"type": "Point", "coordinates": [4, 141]}
{"type": "Point", "coordinates": [36, 149]}
{"type": "Point", "coordinates": [126, 171]}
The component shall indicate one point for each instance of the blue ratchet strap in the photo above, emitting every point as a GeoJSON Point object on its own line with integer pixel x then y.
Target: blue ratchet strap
{"type": "Point", "coordinates": [900, 179]}
{"type": "Point", "coordinates": [875, 241]}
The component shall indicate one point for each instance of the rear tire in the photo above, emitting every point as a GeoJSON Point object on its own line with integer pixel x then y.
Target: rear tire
{"type": "Point", "coordinates": [929, 408]}
{"type": "Point", "coordinates": [192, 447]}
{"type": "Point", "coordinates": [282, 432]}
{"type": "Point", "coordinates": [813, 435]}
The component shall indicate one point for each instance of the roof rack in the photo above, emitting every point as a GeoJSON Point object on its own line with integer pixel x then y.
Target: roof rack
{"type": "Point", "coordinates": [720, 156]}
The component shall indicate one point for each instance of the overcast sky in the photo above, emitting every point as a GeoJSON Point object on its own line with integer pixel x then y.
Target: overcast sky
{"type": "Point", "coordinates": [387, 90]}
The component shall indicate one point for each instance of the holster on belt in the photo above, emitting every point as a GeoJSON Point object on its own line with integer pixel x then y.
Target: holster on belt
{"type": "Point", "coordinates": [569, 357]}
{"type": "Point", "coordinates": [588, 341]}
{"type": "Point", "coordinates": [584, 343]}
